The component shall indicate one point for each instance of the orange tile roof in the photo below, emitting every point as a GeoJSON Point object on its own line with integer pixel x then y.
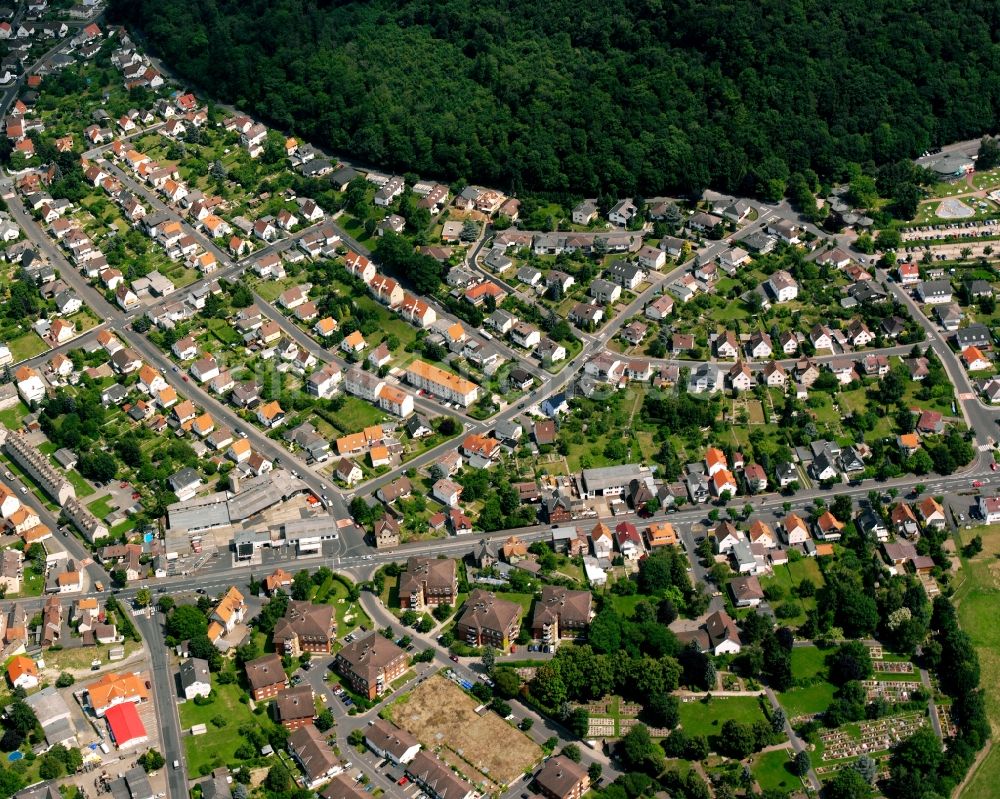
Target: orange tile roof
{"type": "Point", "coordinates": [793, 521]}
{"type": "Point", "coordinates": [37, 533]}
{"type": "Point", "coordinates": [271, 410]}
{"type": "Point", "coordinates": [829, 522]}
{"type": "Point", "coordinates": [19, 666]}
{"type": "Point", "coordinates": [715, 456]}
{"type": "Point", "coordinates": [723, 479]}
{"type": "Point", "coordinates": [229, 604]}
{"type": "Point", "coordinates": [112, 687]}
{"type": "Point", "coordinates": [759, 529]}
{"type": "Point", "coordinates": [326, 325]}
{"type": "Point", "coordinates": [434, 374]}
{"type": "Point", "coordinates": [215, 631]}
{"type": "Point", "coordinates": [661, 534]}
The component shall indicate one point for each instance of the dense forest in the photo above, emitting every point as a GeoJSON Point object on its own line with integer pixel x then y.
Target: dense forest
{"type": "Point", "coordinates": [626, 96]}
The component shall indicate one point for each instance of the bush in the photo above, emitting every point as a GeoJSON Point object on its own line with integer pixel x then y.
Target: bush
{"type": "Point", "coordinates": [152, 761]}
{"type": "Point", "coordinates": [245, 751]}
{"type": "Point", "coordinates": [500, 707]}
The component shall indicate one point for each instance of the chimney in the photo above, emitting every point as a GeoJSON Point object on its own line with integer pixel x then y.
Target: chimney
{"type": "Point", "coordinates": [234, 481]}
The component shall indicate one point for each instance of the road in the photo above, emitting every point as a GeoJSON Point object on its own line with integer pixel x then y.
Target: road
{"type": "Point", "coordinates": [165, 699]}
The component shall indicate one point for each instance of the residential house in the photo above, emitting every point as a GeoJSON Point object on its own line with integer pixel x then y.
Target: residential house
{"type": "Point", "coordinates": [794, 529]}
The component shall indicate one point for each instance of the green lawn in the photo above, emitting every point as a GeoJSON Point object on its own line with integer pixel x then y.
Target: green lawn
{"type": "Point", "coordinates": [808, 662]}
{"type": "Point", "coordinates": [524, 600]}
{"type": "Point", "coordinates": [821, 406]}
{"type": "Point", "coordinates": [11, 417]}
{"type": "Point", "coordinates": [32, 584]}
{"type": "Point", "coordinates": [270, 289]}
{"type": "Point", "coordinates": [122, 527]}
{"type": "Point", "coordinates": [625, 605]}
{"type": "Point", "coordinates": [83, 488]}
{"type": "Point", "coordinates": [788, 577]}
{"type": "Point", "coordinates": [224, 331]}
{"type": "Point", "coordinates": [349, 614]}
{"type": "Point", "coordinates": [728, 310]}
{"type": "Point", "coordinates": [356, 414]}
{"type": "Point", "coordinates": [772, 773]}
{"type": "Point", "coordinates": [217, 746]}
{"type": "Point", "coordinates": [707, 718]}
{"type": "Point", "coordinates": [101, 507]}
{"type": "Point", "coordinates": [976, 600]}
{"type": "Point", "coordinates": [808, 700]}
{"type": "Point", "coordinates": [27, 346]}
{"type": "Point", "coordinates": [390, 592]}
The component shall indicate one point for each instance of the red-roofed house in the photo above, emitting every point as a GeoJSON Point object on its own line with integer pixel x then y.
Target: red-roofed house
{"type": "Point", "coordinates": [127, 729]}
{"type": "Point", "coordinates": [629, 541]}
{"type": "Point", "coordinates": [930, 422]}
{"type": "Point", "coordinates": [715, 460]}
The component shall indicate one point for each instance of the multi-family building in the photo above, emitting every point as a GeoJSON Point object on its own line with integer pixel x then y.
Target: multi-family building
{"type": "Point", "coordinates": [560, 613]}
{"type": "Point", "coordinates": [441, 383]}
{"type": "Point", "coordinates": [428, 582]}
{"type": "Point", "coordinates": [371, 664]}
{"type": "Point", "coordinates": [305, 627]}
{"type": "Point", "coordinates": [487, 620]}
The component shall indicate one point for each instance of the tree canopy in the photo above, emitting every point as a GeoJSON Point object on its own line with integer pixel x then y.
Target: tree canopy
{"type": "Point", "coordinates": [614, 96]}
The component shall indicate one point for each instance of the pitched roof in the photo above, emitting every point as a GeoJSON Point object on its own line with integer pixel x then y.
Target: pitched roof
{"type": "Point", "coordinates": [113, 686]}
{"type": "Point", "coordinates": [369, 656]}
{"type": "Point", "coordinates": [560, 776]}
{"type": "Point", "coordinates": [264, 671]}
{"type": "Point", "coordinates": [295, 704]}
{"type": "Point", "coordinates": [387, 737]}
{"type": "Point", "coordinates": [485, 611]}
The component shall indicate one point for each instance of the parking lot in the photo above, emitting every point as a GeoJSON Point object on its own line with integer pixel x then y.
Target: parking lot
{"type": "Point", "coordinates": [986, 227]}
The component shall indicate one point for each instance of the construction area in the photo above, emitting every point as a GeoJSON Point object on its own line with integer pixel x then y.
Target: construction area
{"type": "Point", "coordinates": [483, 746]}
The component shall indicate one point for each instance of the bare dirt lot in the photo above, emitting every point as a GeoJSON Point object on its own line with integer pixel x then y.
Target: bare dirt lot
{"type": "Point", "coordinates": [440, 714]}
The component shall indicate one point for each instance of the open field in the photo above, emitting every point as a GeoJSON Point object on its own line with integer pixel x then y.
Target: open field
{"type": "Point", "coordinates": [976, 599]}
{"type": "Point", "coordinates": [808, 662]}
{"type": "Point", "coordinates": [27, 346]}
{"type": "Point", "coordinates": [771, 770]}
{"type": "Point", "coordinates": [11, 417]}
{"type": "Point", "coordinates": [706, 718]}
{"type": "Point", "coordinates": [218, 744]}
{"type": "Point", "coordinates": [80, 658]}
{"type": "Point", "coordinates": [439, 711]}
{"type": "Point", "coordinates": [808, 700]}
{"type": "Point", "coordinates": [788, 577]}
